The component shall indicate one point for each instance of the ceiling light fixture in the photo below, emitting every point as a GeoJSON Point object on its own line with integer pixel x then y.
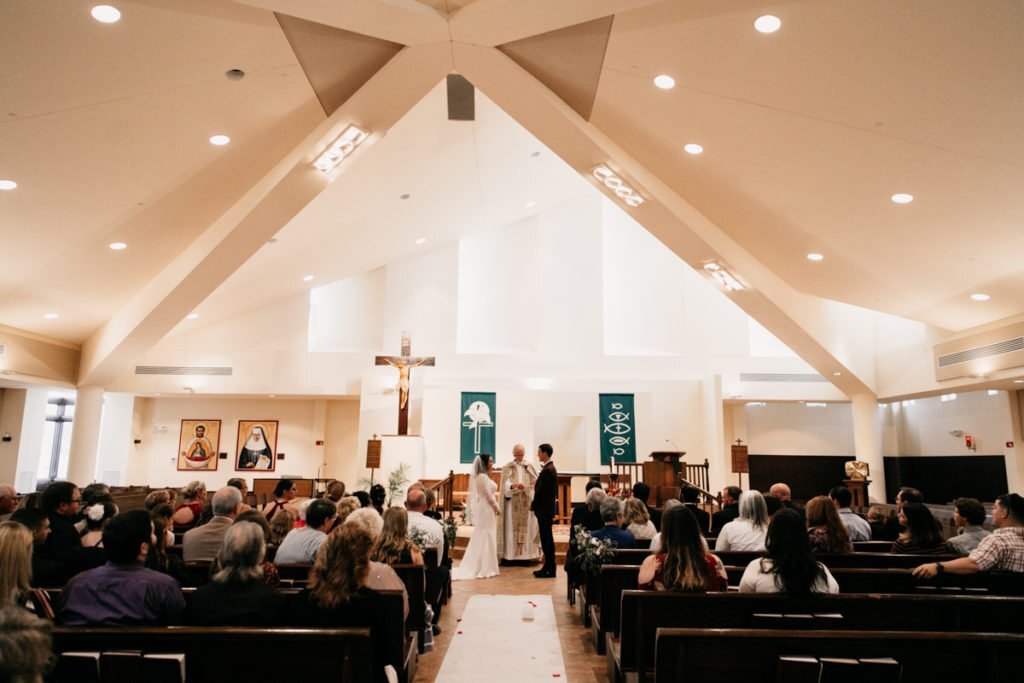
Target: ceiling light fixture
{"type": "Point", "coordinates": [610, 179]}
{"type": "Point", "coordinates": [723, 277]}
{"type": "Point", "coordinates": [338, 150]}
{"type": "Point", "coordinates": [118, 246]}
{"type": "Point", "coordinates": [51, 316]}
{"type": "Point", "coordinates": [7, 185]}
{"type": "Point", "coordinates": [980, 297]}
{"type": "Point", "coordinates": [220, 140]}
{"type": "Point", "coordinates": [814, 256]}
{"type": "Point", "coordinates": [106, 14]}
{"type": "Point", "coordinates": [902, 198]}
{"type": "Point", "coordinates": [307, 278]}
{"type": "Point", "coordinates": [837, 374]}
{"type": "Point", "coordinates": [421, 241]}
{"type": "Point", "coordinates": [815, 404]}
{"type": "Point", "coordinates": [665, 82]}
{"type": "Point", "coordinates": [191, 316]}
{"type": "Point", "coordinates": [693, 148]}
{"type": "Point", "coordinates": [768, 23]}
{"type": "Point", "coordinates": [947, 397]}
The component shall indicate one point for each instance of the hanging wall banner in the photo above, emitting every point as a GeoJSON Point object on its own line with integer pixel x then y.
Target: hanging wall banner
{"type": "Point", "coordinates": [477, 425]}
{"type": "Point", "coordinates": [618, 431]}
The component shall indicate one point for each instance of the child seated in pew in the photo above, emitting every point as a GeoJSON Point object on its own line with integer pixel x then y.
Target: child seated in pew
{"type": "Point", "coordinates": [789, 566]}
{"type": "Point", "coordinates": [684, 565]}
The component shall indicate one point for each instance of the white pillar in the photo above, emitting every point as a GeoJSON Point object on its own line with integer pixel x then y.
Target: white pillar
{"type": "Point", "coordinates": [712, 421]}
{"type": "Point", "coordinates": [23, 417]}
{"type": "Point", "coordinates": [85, 436]}
{"type": "Point", "coordinates": [867, 442]}
{"type": "Point", "coordinates": [115, 444]}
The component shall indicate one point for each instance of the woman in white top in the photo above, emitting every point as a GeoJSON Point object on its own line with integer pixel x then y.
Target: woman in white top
{"type": "Point", "coordinates": [638, 520]}
{"type": "Point", "coordinates": [789, 566]}
{"type": "Point", "coordinates": [747, 531]}
{"type": "Point", "coordinates": [481, 558]}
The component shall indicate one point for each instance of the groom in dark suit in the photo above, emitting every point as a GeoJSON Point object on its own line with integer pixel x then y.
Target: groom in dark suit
{"type": "Point", "coordinates": [545, 493]}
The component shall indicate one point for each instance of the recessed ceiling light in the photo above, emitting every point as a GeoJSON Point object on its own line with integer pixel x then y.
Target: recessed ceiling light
{"type": "Point", "coordinates": [118, 246]}
{"type": "Point", "coordinates": [51, 316]}
{"type": "Point", "coordinates": [814, 256]}
{"type": "Point", "coordinates": [693, 148]}
{"type": "Point", "coordinates": [404, 196]}
{"type": "Point", "coordinates": [530, 204]}
{"type": "Point", "coordinates": [234, 74]}
{"type": "Point", "coordinates": [980, 297]}
{"type": "Point", "coordinates": [1018, 381]}
{"type": "Point", "coordinates": [420, 241]}
{"type": "Point", "coordinates": [902, 198]}
{"type": "Point", "coordinates": [665, 82]}
{"type": "Point", "coordinates": [191, 316]}
{"type": "Point", "coordinates": [7, 185]}
{"type": "Point", "coordinates": [307, 278]}
{"type": "Point", "coordinates": [837, 374]}
{"type": "Point", "coordinates": [106, 14]}
{"type": "Point", "coordinates": [768, 23]}
{"type": "Point", "coordinates": [220, 140]}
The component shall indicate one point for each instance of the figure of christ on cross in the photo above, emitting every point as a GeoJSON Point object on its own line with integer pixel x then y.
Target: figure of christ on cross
{"type": "Point", "coordinates": [404, 364]}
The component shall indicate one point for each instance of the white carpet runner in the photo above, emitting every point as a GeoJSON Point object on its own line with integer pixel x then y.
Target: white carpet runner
{"type": "Point", "coordinates": [494, 641]}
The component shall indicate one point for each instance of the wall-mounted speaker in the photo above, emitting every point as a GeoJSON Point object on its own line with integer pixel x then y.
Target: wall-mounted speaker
{"type": "Point", "coordinates": [223, 456]}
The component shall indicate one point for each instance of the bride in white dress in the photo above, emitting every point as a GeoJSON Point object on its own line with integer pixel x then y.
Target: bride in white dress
{"type": "Point", "coordinates": [481, 558]}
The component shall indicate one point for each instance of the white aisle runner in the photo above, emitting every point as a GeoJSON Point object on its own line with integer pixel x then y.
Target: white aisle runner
{"type": "Point", "coordinates": [493, 642]}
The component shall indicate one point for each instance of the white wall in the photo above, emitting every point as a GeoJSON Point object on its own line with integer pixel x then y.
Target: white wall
{"type": "Point", "coordinates": [22, 415]}
{"type": "Point", "coordinates": [795, 429]}
{"type": "Point", "coordinates": [116, 436]}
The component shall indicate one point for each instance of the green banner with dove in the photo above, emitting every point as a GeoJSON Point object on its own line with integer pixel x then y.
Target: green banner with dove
{"type": "Point", "coordinates": [618, 431]}
{"type": "Point", "coordinates": [477, 425]}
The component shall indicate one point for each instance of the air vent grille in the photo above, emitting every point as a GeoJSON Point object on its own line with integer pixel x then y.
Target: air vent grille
{"type": "Point", "coordinates": [996, 349]}
{"type": "Point", "coordinates": [779, 377]}
{"type": "Point", "coordinates": [181, 370]}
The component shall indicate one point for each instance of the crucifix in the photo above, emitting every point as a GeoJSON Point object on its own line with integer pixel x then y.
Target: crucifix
{"type": "Point", "coordinates": [404, 364]}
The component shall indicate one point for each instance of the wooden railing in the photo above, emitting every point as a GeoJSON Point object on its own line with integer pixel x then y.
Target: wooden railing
{"type": "Point", "coordinates": [444, 495]}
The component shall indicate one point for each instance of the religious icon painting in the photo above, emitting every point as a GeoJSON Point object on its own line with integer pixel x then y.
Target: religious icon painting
{"type": "Point", "coordinates": [257, 445]}
{"type": "Point", "coordinates": [198, 445]}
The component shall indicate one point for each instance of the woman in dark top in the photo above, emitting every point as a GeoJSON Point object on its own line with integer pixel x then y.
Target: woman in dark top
{"type": "Point", "coordinates": [237, 594]}
{"type": "Point", "coordinates": [393, 545]}
{"type": "Point", "coordinates": [921, 535]}
{"type": "Point", "coordinates": [337, 595]}
{"type": "Point", "coordinates": [788, 566]}
{"type": "Point", "coordinates": [825, 531]}
{"type": "Point", "coordinates": [684, 565]}
{"type": "Point", "coordinates": [270, 574]}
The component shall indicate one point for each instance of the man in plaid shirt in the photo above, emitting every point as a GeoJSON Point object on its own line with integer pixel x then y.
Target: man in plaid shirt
{"type": "Point", "coordinates": [1002, 551]}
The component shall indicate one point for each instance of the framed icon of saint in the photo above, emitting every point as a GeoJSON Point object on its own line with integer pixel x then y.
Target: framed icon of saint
{"type": "Point", "coordinates": [257, 446]}
{"type": "Point", "coordinates": [198, 445]}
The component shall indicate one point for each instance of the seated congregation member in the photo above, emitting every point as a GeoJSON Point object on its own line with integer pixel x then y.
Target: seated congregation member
{"type": "Point", "coordinates": [270, 573]}
{"type": "Point", "coordinates": [611, 514]}
{"type": "Point", "coordinates": [204, 542]}
{"type": "Point", "coordinates": [747, 531]}
{"type": "Point", "coordinates": [825, 531]}
{"type": "Point", "coordinates": [123, 592]}
{"type": "Point", "coordinates": [690, 495]}
{"type": "Point", "coordinates": [158, 559]}
{"type": "Point", "coordinates": [684, 564]}
{"type": "Point", "coordinates": [159, 497]}
{"type": "Point", "coordinates": [187, 514]}
{"type": "Point", "coordinates": [91, 494]}
{"type": "Point", "coordinates": [642, 492]}
{"type": "Point", "coordinates": [283, 522]}
{"type": "Point", "coordinates": [877, 516]}
{"type": "Point", "coordinates": [26, 650]}
{"type": "Point", "coordinates": [637, 521]}
{"type": "Point", "coordinates": [922, 535]}
{"type": "Point", "coordinates": [46, 573]}
{"type": "Point", "coordinates": [96, 516]}
{"type": "Point", "coordinates": [434, 539]}
{"type": "Point", "coordinates": [894, 525]}
{"type": "Point", "coordinates": [669, 505]}
{"type": "Point", "coordinates": [335, 491]}
{"type": "Point", "coordinates": [381, 576]}
{"type": "Point", "coordinates": [363, 497]}
{"type": "Point", "coordinates": [284, 493]}
{"type": "Point", "coordinates": [968, 515]}
{"type": "Point", "coordinates": [15, 565]}
{"type": "Point", "coordinates": [589, 514]}
{"type": "Point", "coordinates": [393, 545]}
{"type": "Point", "coordinates": [61, 500]}
{"type": "Point", "coordinates": [771, 504]}
{"type": "Point", "coordinates": [788, 565]}
{"type": "Point", "coordinates": [857, 528]}
{"type": "Point", "coordinates": [162, 515]}
{"type": "Point", "coordinates": [1001, 551]}
{"type": "Point", "coordinates": [302, 545]}
{"type": "Point", "coordinates": [338, 596]}
{"type": "Point", "coordinates": [431, 510]}
{"type": "Point", "coordinates": [730, 508]}
{"type": "Point", "coordinates": [378, 496]}
{"type": "Point", "coordinates": [782, 491]}
{"type": "Point", "coordinates": [237, 594]}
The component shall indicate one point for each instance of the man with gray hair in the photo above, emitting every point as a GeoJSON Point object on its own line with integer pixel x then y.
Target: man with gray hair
{"type": "Point", "coordinates": [611, 513]}
{"type": "Point", "coordinates": [8, 501]}
{"type": "Point", "coordinates": [204, 542]}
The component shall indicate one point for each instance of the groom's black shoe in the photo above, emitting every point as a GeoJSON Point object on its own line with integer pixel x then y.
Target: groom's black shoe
{"type": "Point", "coordinates": [545, 573]}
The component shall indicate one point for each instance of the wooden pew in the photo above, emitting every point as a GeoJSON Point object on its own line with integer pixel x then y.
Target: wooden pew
{"type": "Point", "coordinates": [736, 558]}
{"type": "Point", "coordinates": [644, 612]}
{"type": "Point", "coordinates": [752, 656]}
{"type": "Point", "coordinates": [872, 546]}
{"type": "Point", "coordinates": [212, 653]}
{"type": "Point", "coordinates": [412, 575]}
{"type": "Point", "coordinates": [857, 580]}
{"type": "Point", "coordinates": [591, 582]}
{"type": "Point", "coordinates": [604, 608]}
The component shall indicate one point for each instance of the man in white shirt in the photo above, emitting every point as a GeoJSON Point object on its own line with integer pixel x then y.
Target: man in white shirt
{"type": "Point", "coordinates": [857, 527]}
{"type": "Point", "coordinates": [302, 545]}
{"type": "Point", "coordinates": [415, 506]}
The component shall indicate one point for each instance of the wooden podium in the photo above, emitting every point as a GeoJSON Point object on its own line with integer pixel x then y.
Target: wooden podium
{"type": "Point", "coordinates": [859, 489]}
{"type": "Point", "coordinates": [662, 471]}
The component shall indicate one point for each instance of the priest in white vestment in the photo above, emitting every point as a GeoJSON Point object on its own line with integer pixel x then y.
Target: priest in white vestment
{"type": "Point", "coordinates": [517, 532]}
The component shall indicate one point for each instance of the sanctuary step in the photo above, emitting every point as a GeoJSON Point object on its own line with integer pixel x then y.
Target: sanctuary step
{"type": "Point", "coordinates": [560, 532]}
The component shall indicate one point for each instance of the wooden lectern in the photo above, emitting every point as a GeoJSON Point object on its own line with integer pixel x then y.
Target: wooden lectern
{"type": "Point", "coordinates": [859, 489]}
{"type": "Point", "coordinates": [662, 471]}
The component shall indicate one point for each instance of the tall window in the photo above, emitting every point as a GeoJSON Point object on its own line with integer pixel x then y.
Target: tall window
{"type": "Point", "coordinates": [53, 461]}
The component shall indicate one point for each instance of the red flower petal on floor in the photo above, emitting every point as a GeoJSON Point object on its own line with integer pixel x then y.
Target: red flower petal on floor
{"type": "Point", "coordinates": [458, 633]}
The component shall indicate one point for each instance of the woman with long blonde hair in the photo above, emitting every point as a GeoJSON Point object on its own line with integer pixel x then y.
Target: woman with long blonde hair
{"type": "Point", "coordinates": [15, 563]}
{"type": "Point", "coordinates": [393, 545]}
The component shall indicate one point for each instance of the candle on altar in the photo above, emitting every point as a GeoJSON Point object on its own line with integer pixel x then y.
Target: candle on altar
{"type": "Point", "coordinates": [613, 462]}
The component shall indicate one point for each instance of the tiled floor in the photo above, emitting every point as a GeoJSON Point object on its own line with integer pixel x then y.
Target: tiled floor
{"type": "Point", "coordinates": [582, 663]}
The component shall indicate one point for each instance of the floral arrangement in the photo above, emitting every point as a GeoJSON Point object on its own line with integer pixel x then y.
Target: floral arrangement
{"type": "Point", "coordinates": [418, 537]}
{"type": "Point", "coordinates": [591, 552]}
{"type": "Point", "coordinates": [451, 526]}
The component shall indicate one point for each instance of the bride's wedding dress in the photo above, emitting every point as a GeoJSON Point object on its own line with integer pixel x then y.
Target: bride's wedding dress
{"type": "Point", "coordinates": [481, 558]}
